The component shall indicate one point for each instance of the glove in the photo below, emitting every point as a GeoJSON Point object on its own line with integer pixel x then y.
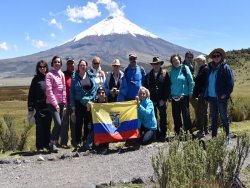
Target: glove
{"type": "Point", "coordinates": [31, 118]}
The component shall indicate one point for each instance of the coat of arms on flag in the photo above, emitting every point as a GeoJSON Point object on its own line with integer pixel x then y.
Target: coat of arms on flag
{"type": "Point", "coordinates": [115, 121]}
{"type": "Point", "coordinates": [115, 116]}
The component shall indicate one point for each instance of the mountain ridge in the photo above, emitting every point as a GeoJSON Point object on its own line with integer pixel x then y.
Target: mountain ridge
{"type": "Point", "coordinates": [111, 38]}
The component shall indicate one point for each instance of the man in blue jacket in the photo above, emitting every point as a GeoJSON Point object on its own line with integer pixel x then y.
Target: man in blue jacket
{"type": "Point", "coordinates": [134, 76]}
{"type": "Point", "coordinates": [219, 87]}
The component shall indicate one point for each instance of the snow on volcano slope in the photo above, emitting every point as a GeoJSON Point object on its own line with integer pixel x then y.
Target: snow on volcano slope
{"type": "Point", "coordinates": [114, 25]}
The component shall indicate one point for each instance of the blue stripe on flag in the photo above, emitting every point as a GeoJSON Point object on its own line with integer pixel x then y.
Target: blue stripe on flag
{"type": "Point", "coordinates": [108, 128]}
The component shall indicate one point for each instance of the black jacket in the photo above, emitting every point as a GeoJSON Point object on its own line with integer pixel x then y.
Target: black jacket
{"type": "Point", "coordinates": [37, 96]}
{"type": "Point", "coordinates": [158, 87]}
{"type": "Point", "coordinates": [200, 81]}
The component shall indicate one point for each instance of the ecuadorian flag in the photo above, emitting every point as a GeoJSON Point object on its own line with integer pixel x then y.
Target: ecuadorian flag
{"type": "Point", "coordinates": [115, 121]}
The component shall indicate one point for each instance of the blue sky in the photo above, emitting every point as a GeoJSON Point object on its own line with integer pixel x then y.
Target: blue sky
{"type": "Point", "coordinates": [30, 26]}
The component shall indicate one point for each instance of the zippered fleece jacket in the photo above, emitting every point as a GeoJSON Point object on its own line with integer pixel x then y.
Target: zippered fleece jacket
{"type": "Point", "coordinates": [77, 93]}
{"type": "Point", "coordinates": [55, 88]}
{"type": "Point", "coordinates": [181, 85]}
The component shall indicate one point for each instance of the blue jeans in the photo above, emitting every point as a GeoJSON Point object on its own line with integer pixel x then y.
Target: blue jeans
{"type": "Point", "coordinates": [147, 135]}
{"type": "Point", "coordinates": [57, 118]}
{"type": "Point", "coordinates": [216, 107]}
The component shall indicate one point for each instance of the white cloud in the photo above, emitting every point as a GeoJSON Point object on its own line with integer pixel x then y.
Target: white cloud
{"type": "Point", "coordinates": [54, 22]}
{"type": "Point", "coordinates": [38, 43]}
{"type": "Point", "coordinates": [52, 34]}
{"type": "Point", "coordinates": [112, 7]}
{"type": "Point", "coordinates": [77, 14]}
{"type": "Point", "coordinates": [4, 46]}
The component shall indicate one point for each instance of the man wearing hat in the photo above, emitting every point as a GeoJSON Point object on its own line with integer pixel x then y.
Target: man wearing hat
{"type": "Point", "coordinates": [219, 87]}
{"type": "Point", "coordinates": [67, 120]}
{"type": "Point", "coordinates": [158, 83]}
{"type": "Point", "coordinates": [113, 81]}
{"type": "Point", "coordinates": [134, 76]}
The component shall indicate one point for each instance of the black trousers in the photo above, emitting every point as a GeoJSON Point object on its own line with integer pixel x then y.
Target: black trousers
{"type": "Point", "coordinates": [181, 114]}
{"type": "Point", "coordinates": [83, 117]}
{"type": "Point", "coordinates": [43, 124]}
{"type": "Point", "coordinates": [162, 126]}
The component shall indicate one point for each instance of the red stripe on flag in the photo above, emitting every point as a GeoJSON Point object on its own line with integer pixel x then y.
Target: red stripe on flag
{"type": "Point", "coordinates": [100, 138]}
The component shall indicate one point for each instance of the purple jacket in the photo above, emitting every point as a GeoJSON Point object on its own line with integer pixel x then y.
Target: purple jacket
{"type": "Point", "coordinates": [55, 88]}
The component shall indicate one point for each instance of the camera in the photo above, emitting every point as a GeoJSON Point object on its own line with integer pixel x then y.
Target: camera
{"type": "Point", "coordinates": [114, 90]}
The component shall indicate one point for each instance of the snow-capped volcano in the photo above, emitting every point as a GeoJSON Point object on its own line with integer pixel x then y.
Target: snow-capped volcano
{"type": "Point", "coordinates": [112, 38]}
{"type": "Point", "coordinates": [114, 25]}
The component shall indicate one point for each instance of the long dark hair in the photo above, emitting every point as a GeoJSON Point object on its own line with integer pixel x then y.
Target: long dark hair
{"type": "Point", "coordinates": [53, 59]}
{"type": "Point", "coordinates": [39, 64]}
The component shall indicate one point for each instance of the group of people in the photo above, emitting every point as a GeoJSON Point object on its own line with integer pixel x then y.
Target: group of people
{"type": "Point", "coordinates": [66, 97]}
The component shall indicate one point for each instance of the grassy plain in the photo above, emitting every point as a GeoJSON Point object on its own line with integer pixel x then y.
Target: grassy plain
{"type": "Point", "coordinates": [13, 101]}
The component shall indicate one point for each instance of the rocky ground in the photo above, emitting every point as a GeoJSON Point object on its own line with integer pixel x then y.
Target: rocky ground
{"type": "Point", "coordinates": [70, 169]}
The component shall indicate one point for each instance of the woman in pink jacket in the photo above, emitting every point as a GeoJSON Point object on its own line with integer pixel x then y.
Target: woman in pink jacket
{"type": "Point", "coordinates": [55, 98]}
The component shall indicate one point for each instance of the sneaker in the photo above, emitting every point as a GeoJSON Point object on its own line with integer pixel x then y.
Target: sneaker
{"type": "Point", "coordinates": [53, 148]}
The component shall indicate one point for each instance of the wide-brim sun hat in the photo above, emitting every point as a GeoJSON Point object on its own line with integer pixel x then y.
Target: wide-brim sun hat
{"type": "Point", "coordinates": [116, 62]}
{"type": "Point", "coordinates": [157, 60]}
{"type": "Point", "coordinates": [217, 50]}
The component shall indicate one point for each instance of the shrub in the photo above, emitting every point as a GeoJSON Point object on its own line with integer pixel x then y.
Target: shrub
{"type": "Point", "coordinates": [188, 165]}
{"type": "Point", "coordinates": [9, 140]}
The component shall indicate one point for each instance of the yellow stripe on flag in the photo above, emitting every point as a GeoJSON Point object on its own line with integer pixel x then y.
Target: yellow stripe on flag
{"type": "Point", "coordinates": [126, 110]}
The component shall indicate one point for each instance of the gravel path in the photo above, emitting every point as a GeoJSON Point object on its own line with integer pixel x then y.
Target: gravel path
{"type": "Point", "coordinates": [82, 171]}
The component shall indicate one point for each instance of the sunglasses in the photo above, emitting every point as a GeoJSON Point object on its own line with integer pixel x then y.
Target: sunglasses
{"type": "Point", "coordinates": [101, 92]}
{"type": "Point", "coordinates": [216, 56]}
{"type": "Point", "coordinates": [132, 58]}
{"type": "Point", "coordinates": [115, 65]}
{"type": "Point", "coordinates": [155, 64]}
{"type": "Point", "coordinates": [42, 67]}
{"type": "Point", "coordinates": [96, 63]}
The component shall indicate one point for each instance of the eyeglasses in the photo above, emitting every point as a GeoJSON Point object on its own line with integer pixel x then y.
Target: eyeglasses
{"type": "Point", "coordinates": [101, 92]}
{"type": "Point", "coordinates": [190, 57]}
{"type": "Point", "coordinates": [216, 56]}
{"type": "Point", "coordinates": [42, 67]}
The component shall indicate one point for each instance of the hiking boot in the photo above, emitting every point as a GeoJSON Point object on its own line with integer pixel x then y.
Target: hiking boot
{"type": "Point", "coordinates": [53, 148]}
